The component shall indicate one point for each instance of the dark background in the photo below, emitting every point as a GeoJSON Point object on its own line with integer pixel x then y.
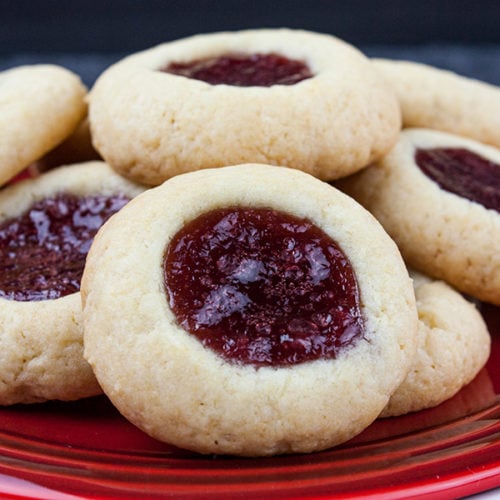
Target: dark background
{"type": "Point", "coordinates": [88, 35]}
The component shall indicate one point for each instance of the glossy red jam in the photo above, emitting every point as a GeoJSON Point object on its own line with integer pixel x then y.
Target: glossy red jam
{"type": "Point", "coordinates": [463, 173]}
{"type": "Point", "coordinates": [262, 287]}
{"type": "Point", "coordinates": [262, 70]}
{"type": "Point", "coordinates": [43, 251]}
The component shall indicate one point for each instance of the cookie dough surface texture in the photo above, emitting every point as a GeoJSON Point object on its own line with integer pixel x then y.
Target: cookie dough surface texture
{"type": "Point", "coordinates": [438, 99]}
{"type": "Point", "coordinates": [438, 232]}
{"type": "Point", "coordinates": [41, 342]}
{"type": "Point", "coordinates": [40, 106]}
{"type": "Point", "coordinates": [162, 378]}
{"type": "Point", "coordinates": [454, 344]}
{"type": "Point", "coordinates": [151, 125]}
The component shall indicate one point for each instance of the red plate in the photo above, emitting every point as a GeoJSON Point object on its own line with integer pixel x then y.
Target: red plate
{"type": "Point", "coordinates": [86, 449]}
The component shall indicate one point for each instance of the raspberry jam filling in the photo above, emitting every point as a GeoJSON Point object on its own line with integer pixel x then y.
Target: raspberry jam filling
{"type": "Point", "coordinates": [43, 251]}
{"type": "Point", "coordinates": [463, 173]}
{"type": "Point", "coordinates": [242, 70]}
{"type": "Point", "coordinates": [262, 287]}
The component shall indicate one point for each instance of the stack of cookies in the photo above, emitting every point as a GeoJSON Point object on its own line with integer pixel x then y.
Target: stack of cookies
{"type": "Point", "coordinates": [259, 242]}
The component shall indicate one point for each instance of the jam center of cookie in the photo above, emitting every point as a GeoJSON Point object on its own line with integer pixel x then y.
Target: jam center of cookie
{"type": "Point", "coordinates": [262, 287]}
{"type": "Point", "coordinates": [262, 70]}
{"type": "Point", "coordinates": [463, 173]}
{"type": "Point", "coordinates": [43, 251]}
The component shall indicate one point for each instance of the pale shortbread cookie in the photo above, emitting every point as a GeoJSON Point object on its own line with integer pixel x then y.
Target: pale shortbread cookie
{"type": "Point", "coordinates": [439, 233]}
{"type": "Point", "coordinates": [443, 100]}
{"type": "Point", "coordinates": [40, 106]}
{"type": "Point", "coordinates": [41, 342]}
{"type": "Point", "coordinates": [454, 344]}
{"type": "Point", "coordinates": [163, 380]}
{"type": "Point", "coordinates": [150, 125]}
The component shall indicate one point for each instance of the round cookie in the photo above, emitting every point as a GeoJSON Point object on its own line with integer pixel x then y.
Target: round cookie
{"type": "Point", "coordinates": [454, 344]}
{"type": "Point", "coordinates": [171, 385]}
{"type": "Point", "coordinates": [443, 234]}
{"type": "Point", "coordinates": [150, 124]}
{"type": "Point", "coordinates": [40, 106]}
{"type": "Point", "coordinates": [438, 99]}
{"type": "Point", "coordinates": [41, 337]}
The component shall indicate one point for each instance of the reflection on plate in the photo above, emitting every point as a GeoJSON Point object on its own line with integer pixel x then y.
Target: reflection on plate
{"type": "Point", "coordinates": [85, 448]}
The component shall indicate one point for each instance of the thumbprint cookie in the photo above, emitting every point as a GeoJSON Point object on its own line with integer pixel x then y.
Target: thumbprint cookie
{"type": "Point", "coordinates": [283, 97]}
{"type": "Point", "coordinates": [46, 228]}
{"type": "Point", "coordinates": [438, 196]}
{"type": "Point", "coordinates": [223, 315]}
